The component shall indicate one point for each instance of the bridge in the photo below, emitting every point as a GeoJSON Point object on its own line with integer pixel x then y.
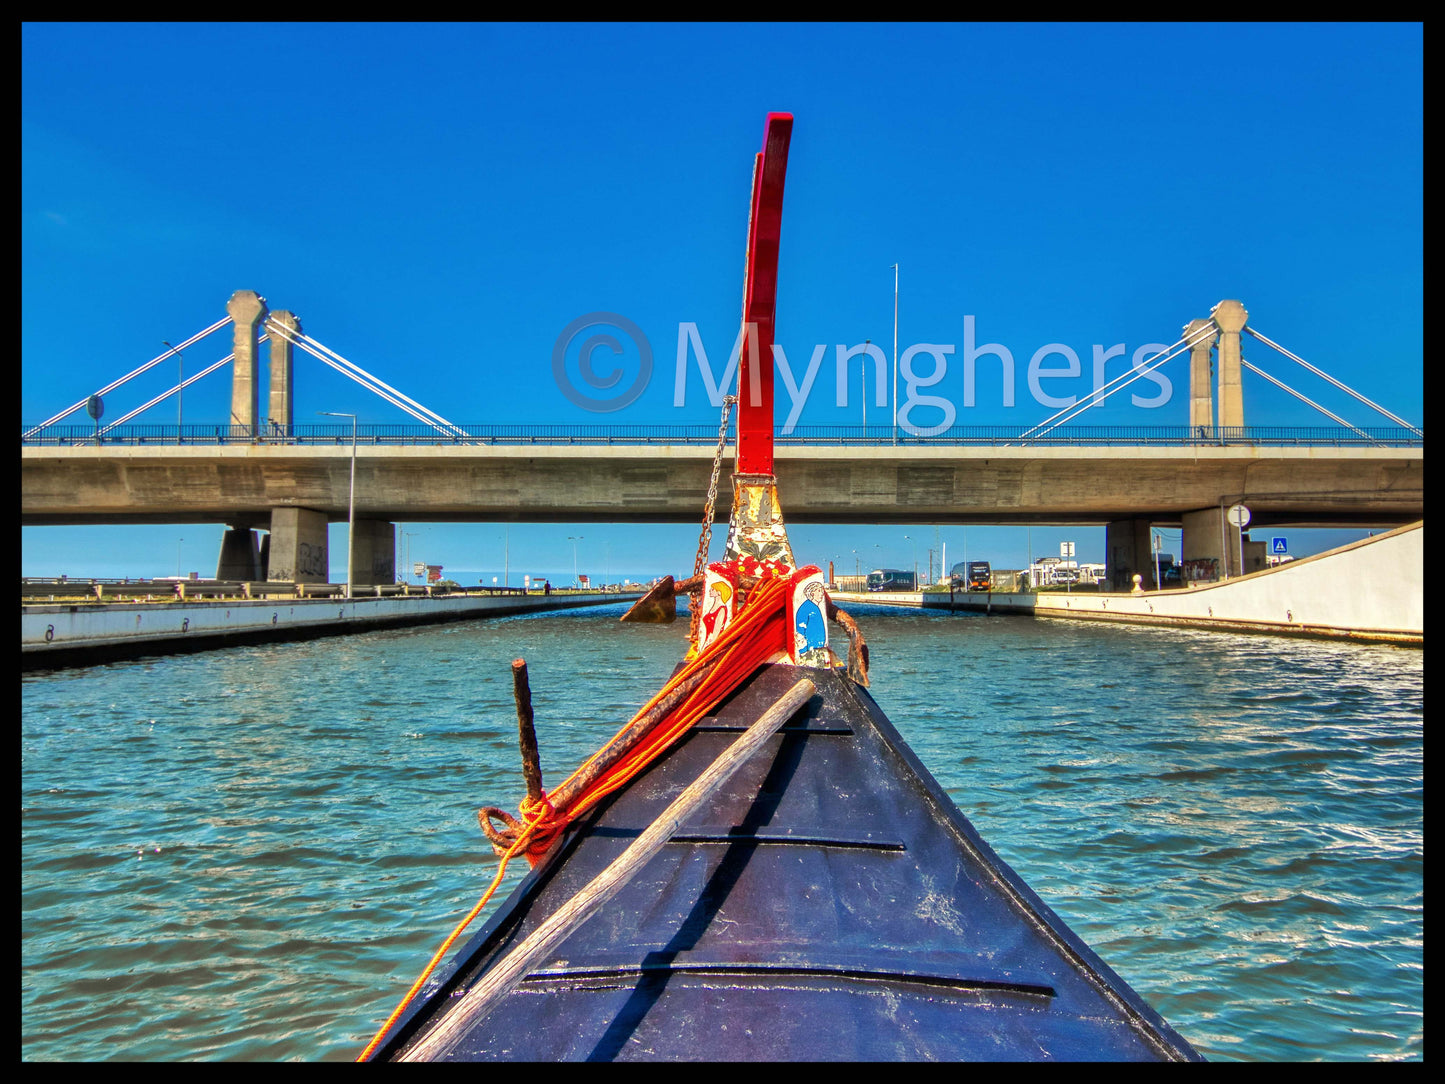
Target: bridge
{"type": "Point", "coordinates": [267, 474]}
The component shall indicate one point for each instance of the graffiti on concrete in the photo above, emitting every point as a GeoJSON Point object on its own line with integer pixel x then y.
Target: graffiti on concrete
{"type": "Point", "coordinates": [310, 560]}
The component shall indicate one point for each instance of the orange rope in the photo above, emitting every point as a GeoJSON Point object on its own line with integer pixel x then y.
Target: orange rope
{"type": "Point", "coordinates": [757, 633]}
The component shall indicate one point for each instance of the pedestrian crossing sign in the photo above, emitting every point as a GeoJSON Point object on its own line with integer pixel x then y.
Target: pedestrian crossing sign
{"type": "Point", "coordinates": [1278, 545]}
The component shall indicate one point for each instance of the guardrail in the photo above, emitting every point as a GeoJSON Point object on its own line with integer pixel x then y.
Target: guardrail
{"type": "Point", "coordinates": [57, 589]}
{"type": "Point", "coordinates": [402, 435]}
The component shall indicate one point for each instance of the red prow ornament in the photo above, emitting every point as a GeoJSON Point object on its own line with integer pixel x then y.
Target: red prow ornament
{"type": "Point", "coordinates": [760, 290]}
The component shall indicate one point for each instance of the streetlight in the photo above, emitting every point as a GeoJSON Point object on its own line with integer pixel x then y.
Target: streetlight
{"type": "Point", "coordinates": [906, 538]}
{"type": "Point", "coordinates": [857, 564]}
{"type": "Point", "coordinates": [350, 503]}
{"type": "Point", "coordinates": [178, 557]}
{"type": "Point", "coordinates": [180, 379]}
{"type": "Point", "coordinates": [895, 353]}
{"type": "Point", "coordinates": [866, 343]}
{"type": "Point", "coordinates": [406, 537]}
{"type": "Point", "coordinates": [574, 539]}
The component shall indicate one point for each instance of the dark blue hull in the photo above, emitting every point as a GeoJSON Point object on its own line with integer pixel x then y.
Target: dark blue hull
{"type": "Point", "coordinates": [832, 904]}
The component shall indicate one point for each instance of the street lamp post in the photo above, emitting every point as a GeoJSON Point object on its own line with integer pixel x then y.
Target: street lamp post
{"type": "Point", "coordinates": [406, 537]}
{"type": "Point", "coordinates": [574, 539]}
{"type": "Point", "coordinates": [178, 557]}
{"type": "Point", "coordinates": [895, 353]}
{"type": "Point", "coordinates": [350, 505]}
{"type": "Point", "coordinates": [906, 538]}
{"type": "Point", "coordinates": [866, 342]}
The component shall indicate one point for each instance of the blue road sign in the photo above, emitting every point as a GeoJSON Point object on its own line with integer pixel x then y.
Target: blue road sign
{"type": "Point", "coordinates": [1278, 545]}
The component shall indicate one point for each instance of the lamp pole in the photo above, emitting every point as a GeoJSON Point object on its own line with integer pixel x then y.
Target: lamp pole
{"type": "Point", "coordinates": [864, 359]}
{"type": "Point", "coordinates": [350, 505]}
{"type": "Point", "coordinates": [406, 537]}
{"type": "Point", "coordinates": [895, 353]}
{"type": "Point", "coordinates": [906, 538]}
{"type": "Point", "coordinates": [574, 540]}
{"type": "Point", "coordinates": [178, 557]}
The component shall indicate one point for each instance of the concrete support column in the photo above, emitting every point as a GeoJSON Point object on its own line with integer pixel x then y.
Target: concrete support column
{"type": "Point", "coordinates": [280, 404]}
{"type": "Point", "coordinates": [1208, 534]}
{"type": "Point", "coordinates": [265, 559]}
{"type": "Point", "coordinates": [1126, 551]}
{"type": "Point", "coordinates": [247, 309]}
{"type": "Point", "coordinates": [375, 552]}
{"type": "Point", "coordinates": [297, 552]}
{"type": "Point", "coordinates": [1201, 398]}
{"type": "Point", "coordinates": [1255, 555]}
{"type": "Point", "coordinates": [240, 555]}
{"type": "Point", "coordinates": [1230, 317]}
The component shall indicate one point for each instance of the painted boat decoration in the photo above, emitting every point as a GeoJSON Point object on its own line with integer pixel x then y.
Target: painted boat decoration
{"type": "Point", "coordinates": [757, 867]}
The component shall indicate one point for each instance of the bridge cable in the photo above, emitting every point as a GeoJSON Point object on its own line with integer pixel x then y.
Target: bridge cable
{"type": "Point", "coordinates": [111, 387]}
{"type": "Point", "coordinates": [1306, 400]}
{"type": "Point", "coordinates": [1343, 387]}
{"type": "Point", "coordinates": [438, 419]}
{"type": "Point", "coordinates": [372, 383]}
{"type": "Point", "coordinates": [167, 394]}
{"type": "Point", "coordinates": [1098, 395]}
{"type": "Point", "coordinates": [375, 391]}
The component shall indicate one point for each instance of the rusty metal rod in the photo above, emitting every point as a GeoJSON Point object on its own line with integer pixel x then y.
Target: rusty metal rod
{"type": "Point", "coordinates": [526, 732]}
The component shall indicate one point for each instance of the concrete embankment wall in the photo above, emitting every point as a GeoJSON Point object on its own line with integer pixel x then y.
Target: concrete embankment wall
{"type": "Point", "coordinates": [70, 635]}
{"type": "Point", "coordinates": [1371, 590]}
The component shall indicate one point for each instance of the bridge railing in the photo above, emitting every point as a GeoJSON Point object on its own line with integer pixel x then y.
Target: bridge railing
{"type": "Point", "coordinates": [401, 435]}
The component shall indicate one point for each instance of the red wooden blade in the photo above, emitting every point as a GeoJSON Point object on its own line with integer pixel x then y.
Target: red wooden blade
{"type": "Point", "coordinates": [755, 361]}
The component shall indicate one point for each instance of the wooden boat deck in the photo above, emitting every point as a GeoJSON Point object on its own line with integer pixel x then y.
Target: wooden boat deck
{"type": "Point", "coordinates": [832, 904]}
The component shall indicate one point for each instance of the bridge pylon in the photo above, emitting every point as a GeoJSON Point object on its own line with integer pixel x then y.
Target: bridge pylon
{"type": "Point", "coordinates": [247, 309]}
{"type": "Point", "coordinates": [1230, 317]}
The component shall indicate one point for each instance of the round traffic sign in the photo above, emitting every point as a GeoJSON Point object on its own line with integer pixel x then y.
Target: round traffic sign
{"type": "Point", "coordinates": [94, 407]}
{"type": "Point", "coordinates": [1239, 515]}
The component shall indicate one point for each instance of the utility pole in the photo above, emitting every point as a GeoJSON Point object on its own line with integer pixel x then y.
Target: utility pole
{"type": "Point", "coordinates": [895, 353]}
{"type": "Point", "coordinates": [864, 359]}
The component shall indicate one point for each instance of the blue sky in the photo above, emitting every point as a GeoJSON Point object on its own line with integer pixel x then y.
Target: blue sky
{"type": "Point", "coordinates": [437, 202]}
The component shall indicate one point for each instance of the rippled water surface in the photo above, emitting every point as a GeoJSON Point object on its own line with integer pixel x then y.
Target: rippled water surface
{"type": "Point", "coordinates": [251, 853]}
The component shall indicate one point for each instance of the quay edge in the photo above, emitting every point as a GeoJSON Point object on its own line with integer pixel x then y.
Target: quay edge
{"type": "Point", "coordinates": [57, 635]}
{"type": "Point", "coordinates": [1370, 591]}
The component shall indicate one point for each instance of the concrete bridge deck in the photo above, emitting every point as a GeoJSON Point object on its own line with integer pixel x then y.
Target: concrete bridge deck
{"type": "Point", "coordinates": [242, 485]}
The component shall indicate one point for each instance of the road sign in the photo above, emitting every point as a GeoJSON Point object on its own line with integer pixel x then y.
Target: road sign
{"type": "Point", "coordinates": [1278, 545]}
{"type": "Point", "coordinates": [1066, 549]}
{"type": "Point", "coordinates": [1239, 515]}
{"type": "Point", "coordinates": [95, 407]}
{"type": "Point", "coordinates": [418, 568]}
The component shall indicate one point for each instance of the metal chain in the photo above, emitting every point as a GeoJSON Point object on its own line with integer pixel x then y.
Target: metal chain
{"type": "Point", "coordinates": [705, 540]}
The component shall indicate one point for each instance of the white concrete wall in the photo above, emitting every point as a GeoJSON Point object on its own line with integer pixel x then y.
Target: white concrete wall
{"type": "Point", "coordinates": [1371, 587]}
{"type": "Point", "coordinates": [52, 626]}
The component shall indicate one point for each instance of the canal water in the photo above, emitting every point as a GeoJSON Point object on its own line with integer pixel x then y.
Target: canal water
{"type": "Point", "coordinates": [251, 853]}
